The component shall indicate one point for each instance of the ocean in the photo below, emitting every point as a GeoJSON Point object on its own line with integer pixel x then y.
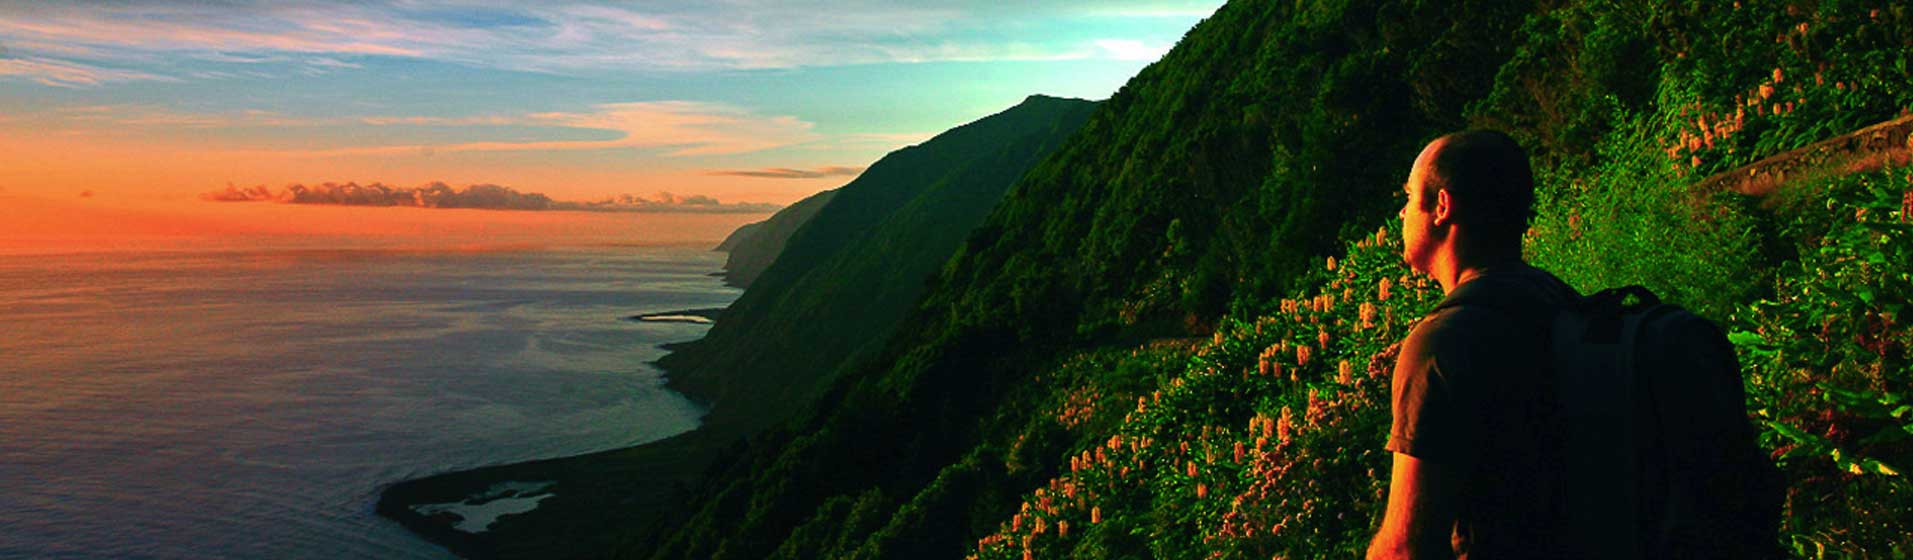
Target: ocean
{"type": "Point", "coordinates": [245, 401]}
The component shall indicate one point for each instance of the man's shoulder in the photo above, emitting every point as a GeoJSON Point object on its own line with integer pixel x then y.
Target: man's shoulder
{"type": "Point", "coordinates": [1519, 293]}
{"type": "Point", "coordinates": [1458, 328]}
{"type": "Point", "coordinates": [1477, 323]}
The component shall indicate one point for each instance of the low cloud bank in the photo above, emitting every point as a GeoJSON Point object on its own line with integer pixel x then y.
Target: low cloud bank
{"type": "Point", "coordinates": [484, 196]}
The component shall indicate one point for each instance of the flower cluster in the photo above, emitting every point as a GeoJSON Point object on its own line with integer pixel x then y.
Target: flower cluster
{"type": "Point", "coordinates": [1279, 459]}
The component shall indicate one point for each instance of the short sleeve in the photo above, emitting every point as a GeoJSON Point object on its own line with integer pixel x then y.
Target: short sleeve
{"type": "Point", "coordinates": [1438, 413]}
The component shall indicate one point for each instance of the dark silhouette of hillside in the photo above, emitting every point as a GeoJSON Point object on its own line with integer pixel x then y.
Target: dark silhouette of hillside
{"type": "Point", "coordinates": [755, 245]}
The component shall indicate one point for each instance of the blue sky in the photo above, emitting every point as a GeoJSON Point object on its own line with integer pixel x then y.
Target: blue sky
{"type": "Point", "coordinates": [580, 100]}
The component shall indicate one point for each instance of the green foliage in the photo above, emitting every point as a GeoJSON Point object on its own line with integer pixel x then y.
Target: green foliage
{"type": "Point", "coordinates": [1825, 349]}
{"type": "Point", "coordinates": [1265, 440]}
{"type": "Point", "coordinates": [1047, 375]}
{"type": "Point", "coordinates": [1633, 219]}
{"type": "Point", "coordinates": [1828, 363]}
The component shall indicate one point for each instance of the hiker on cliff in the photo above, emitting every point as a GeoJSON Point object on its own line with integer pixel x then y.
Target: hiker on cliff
{"type": "Point", "coordinates": [1532, 422]}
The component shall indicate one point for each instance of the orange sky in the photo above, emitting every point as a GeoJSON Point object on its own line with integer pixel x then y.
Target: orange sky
{"type": "Point", "coordinates": [32, 224]}
{"type": "Point", "coordinates": [80, 191]}
{"type": "Point", "coordinates": [65, 163]}
{"type": "Point", "coordinates": [143, 106]}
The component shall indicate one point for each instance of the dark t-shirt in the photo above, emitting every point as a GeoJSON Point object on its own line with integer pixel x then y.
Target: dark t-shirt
{"type": "Point", "coordinates": [1473, 389]}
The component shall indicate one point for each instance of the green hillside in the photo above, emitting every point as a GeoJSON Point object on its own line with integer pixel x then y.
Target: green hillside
{"type": "Point", "coordinates": [841, 283]}
{"type": "Point", "coordinates": [753, 246]}
{"type": "Point", "coordinates": [1147, 351]}
{"type": "Point", "coordinates": [848, 275]}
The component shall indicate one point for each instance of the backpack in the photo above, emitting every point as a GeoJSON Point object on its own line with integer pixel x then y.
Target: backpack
{"type": "Point", "coordinates": [1654, 392]}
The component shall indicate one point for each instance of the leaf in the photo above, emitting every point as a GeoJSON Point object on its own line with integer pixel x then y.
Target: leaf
{"type": "Point", "coordinates": [1744, 338]}
{"type": "Point", "coordinates": [1793, 433]}
{"type": "Point", "coordinates": [1865, 293]}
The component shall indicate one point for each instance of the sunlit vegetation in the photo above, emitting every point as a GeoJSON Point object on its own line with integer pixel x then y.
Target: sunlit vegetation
{"type": "Point", "coordinates": [1266, 441]}
{"type": "Point", "coordinates": [1172, 338]}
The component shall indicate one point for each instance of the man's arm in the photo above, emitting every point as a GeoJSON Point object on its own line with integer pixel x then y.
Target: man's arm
{"type": "Point", "coordinates": [1420, 521]}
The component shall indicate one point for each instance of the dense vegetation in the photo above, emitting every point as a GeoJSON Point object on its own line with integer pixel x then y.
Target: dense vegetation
{"type": "Point", "coordinates": [1023, 396]}
{"type": "Point", "coordinates": [1170, 338]}
{"type": "Point", "coordinates": [1210, 177]}
{"type": "Point", "coordinates": [1266, 440]}
{"type": "Point", "coordinates": [849, 274]}
{"type": "Point", "coordinates": [754, 246]}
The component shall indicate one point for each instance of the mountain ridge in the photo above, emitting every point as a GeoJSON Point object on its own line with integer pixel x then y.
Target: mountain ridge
{"type": "Point", "coordinates": [753, 246]}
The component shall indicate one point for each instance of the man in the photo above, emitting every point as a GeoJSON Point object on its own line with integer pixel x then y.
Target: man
{"type": "Point", "coordinates": [1475, 474]}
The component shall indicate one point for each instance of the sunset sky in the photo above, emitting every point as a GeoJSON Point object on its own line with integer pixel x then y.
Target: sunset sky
{"type": "Point", "coordinates": [136, 103]}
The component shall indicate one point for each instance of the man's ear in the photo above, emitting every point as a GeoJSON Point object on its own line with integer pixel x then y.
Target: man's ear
{"type": "Point", "coordinates": [1444, 208]}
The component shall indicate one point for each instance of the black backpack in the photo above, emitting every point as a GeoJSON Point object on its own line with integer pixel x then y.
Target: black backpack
{"type": "Point", "coordinates": [1654, 392]}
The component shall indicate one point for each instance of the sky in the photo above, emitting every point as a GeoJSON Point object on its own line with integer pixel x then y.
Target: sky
{"type": "Point", "coordinates": [136, 104]}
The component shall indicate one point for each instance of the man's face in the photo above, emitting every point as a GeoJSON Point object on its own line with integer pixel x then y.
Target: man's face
{"type": "Point", "coordinates": [1419, 235]}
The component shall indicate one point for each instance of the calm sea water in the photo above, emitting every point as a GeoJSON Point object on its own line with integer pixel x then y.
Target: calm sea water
{"type": "Point", "coordinates": [250, 402]}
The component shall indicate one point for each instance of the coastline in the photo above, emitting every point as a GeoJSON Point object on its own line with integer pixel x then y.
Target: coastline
{"type": "Point", "coordinates": [704, 316]}
{"type": "Point", "coordinates": [585, 496]}
{"type": "Point", "coordinates": [582, 496]}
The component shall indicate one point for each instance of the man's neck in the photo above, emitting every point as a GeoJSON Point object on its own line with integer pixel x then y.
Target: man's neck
{"type": "Point", "coordinates": [1452, 273]}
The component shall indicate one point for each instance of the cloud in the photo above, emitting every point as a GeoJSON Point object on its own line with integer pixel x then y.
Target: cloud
{"type": "Point", "coordinates": [667, 202]}
{"type": "Point", "coordinates": [147, 115]}
{"type": "Point", "coordinates": [680, 128]}
{"type": "Point", "coordinates": [70, 74]}
{"type": "Point", "coordinates": [480, 196]}
{"type": "Point", "coordinates": [237, 194]}
{"type": "Point", "coordinates": [570, 36]}
{"type": "Point", "coordinates": [788, 173]}
{"type": "Point", "coordinates": [189, 27]}
{"type": "Point", "coordinates": [674, 128]}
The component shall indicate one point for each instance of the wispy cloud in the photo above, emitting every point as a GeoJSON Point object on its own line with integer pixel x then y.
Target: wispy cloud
{"type": "Point", "coordinates": [673, 128]}
{"type": "Point", "coordinates": [147, 115]}
{"type": "Point", "coordinates": [70, 74]}
{"type": "Point", "coordinates": [678, 128]}
{"type": "Point", "coordinates": [789, 173]}
{"type": "Point", "coordinates": [570, 36]}
{"type": "Point", "coordinates": [185, 27]}
{"type": "Point", "coordinates": [480, 196]}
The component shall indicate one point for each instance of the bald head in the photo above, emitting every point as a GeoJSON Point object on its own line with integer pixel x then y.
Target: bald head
{"type": "Point", "coordinates": [1486, 174]}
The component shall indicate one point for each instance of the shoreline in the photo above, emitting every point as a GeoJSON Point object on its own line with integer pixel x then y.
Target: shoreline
{"type": "Point", "coordinates": [587, 494]}
{"type": "Point", "coordinates": [597, 490]}
{"type": "Point", "coordinates": [701, 316]}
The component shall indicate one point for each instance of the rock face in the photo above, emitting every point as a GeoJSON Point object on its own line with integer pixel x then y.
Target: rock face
{"type": "Point", "coordinates": [755, 245]}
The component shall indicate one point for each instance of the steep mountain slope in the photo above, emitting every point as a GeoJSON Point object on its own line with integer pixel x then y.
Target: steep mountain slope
{"type": "Point", "coordinates": [1017, 397]}
{"type": "Point", "coordinates": [755, 245]}
{"type": "Point", "coordinates": [850, 273]}
{"type": "Point", "coordinates": [1213, 174]}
